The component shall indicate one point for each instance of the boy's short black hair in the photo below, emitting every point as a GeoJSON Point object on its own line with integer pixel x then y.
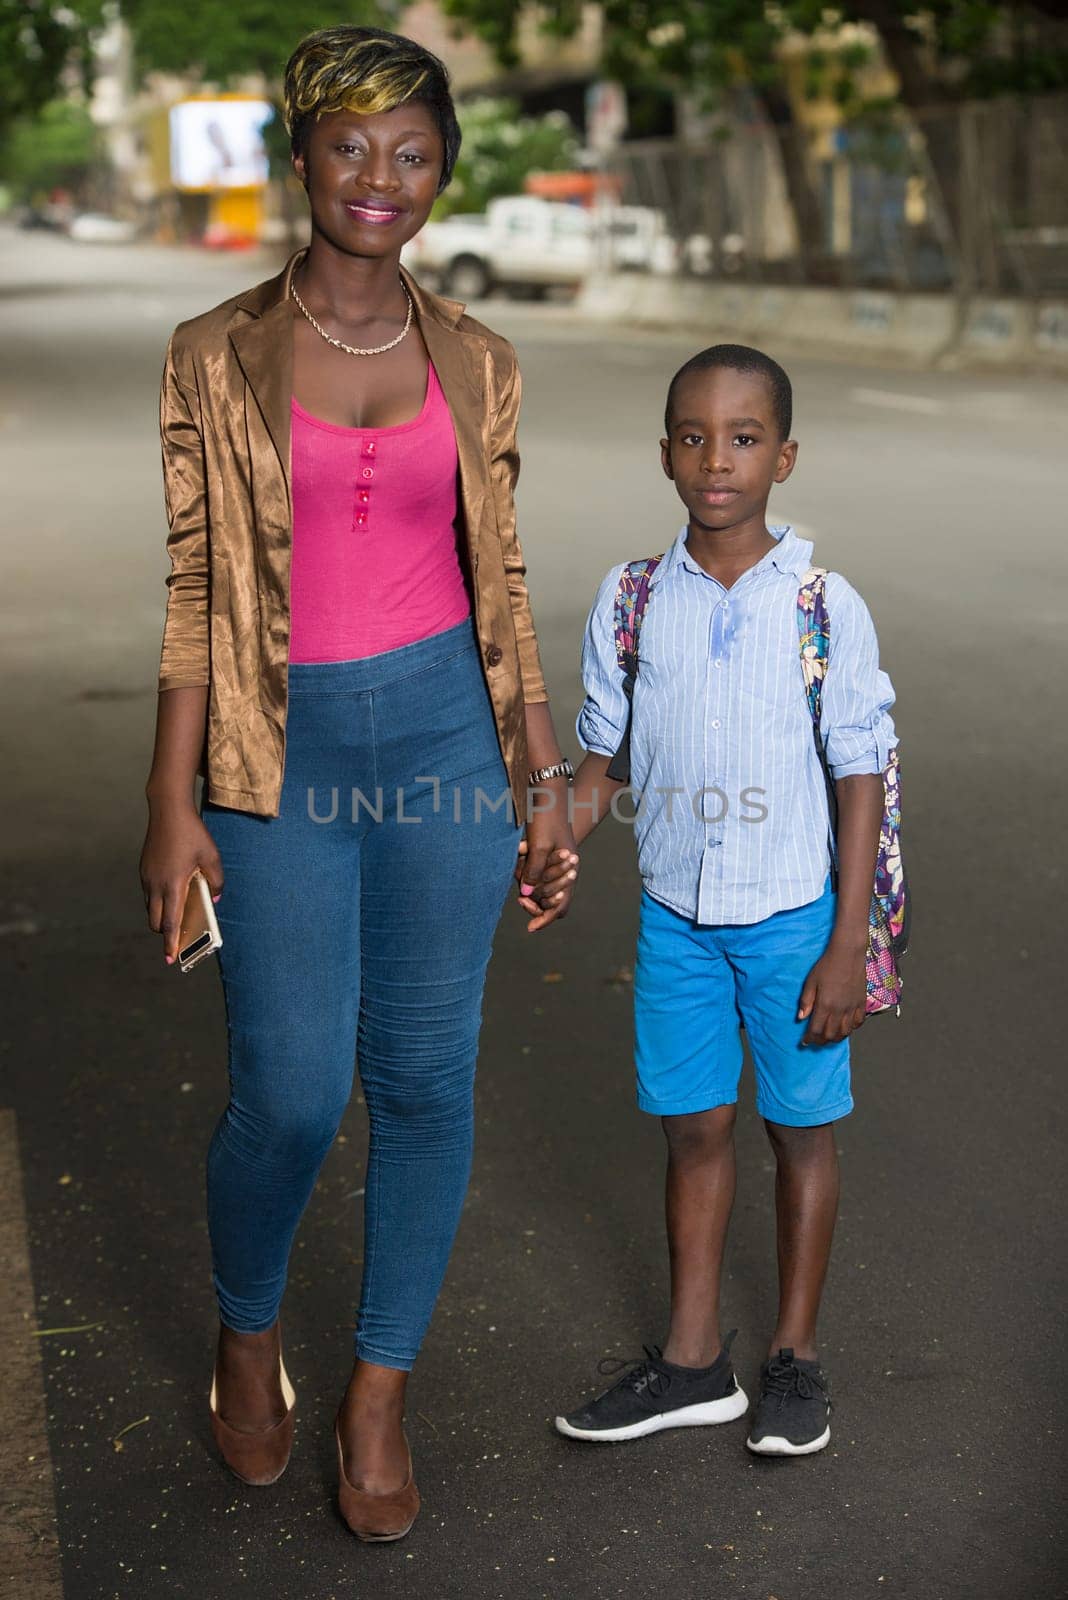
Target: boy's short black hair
{"type": "Point", "coordinates": [741, 358]}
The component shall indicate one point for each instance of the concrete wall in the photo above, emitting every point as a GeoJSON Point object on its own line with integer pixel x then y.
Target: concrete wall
{"type": "Point", "coordinates": [914, 329]}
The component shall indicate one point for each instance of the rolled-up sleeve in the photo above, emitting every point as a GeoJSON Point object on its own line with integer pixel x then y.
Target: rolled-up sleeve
{"type": "Point", "coordinates": [504, 472]}
{"type": "Point", "coordinates": [603, 719]}
{"type": "Point", "coordinates": [858, 731]}
{"type": "Point", "coordinates": [185, 655]}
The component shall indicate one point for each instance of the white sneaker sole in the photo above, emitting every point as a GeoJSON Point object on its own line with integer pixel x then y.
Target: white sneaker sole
{"type": "Point", "coordinates": [713, 1411]}
{"type": "Point", "coordinates": [774, 1445]}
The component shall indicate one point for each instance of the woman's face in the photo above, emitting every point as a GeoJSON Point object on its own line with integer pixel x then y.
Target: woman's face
{"type": "Point", "coordinates": [371, 180]}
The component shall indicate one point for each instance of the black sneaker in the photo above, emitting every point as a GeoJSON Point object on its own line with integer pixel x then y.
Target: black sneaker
{"type": "Point", "coordinates": [791, 1415]}
{"type": "Point", "coordinates": [653, 1394]}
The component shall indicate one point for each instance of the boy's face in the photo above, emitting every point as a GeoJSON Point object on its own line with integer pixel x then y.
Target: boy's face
{"type": "Point", "coordinates": [724, 451]}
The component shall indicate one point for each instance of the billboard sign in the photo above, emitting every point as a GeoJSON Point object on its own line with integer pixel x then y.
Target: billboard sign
{"type": "Point", "coordinates": [218, 144]}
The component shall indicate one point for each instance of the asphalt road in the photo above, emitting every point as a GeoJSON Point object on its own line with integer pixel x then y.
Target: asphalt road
{"type": "Point", "coordinates": [942, 498]}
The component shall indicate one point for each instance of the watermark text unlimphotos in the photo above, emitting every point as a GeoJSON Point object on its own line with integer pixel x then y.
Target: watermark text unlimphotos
{"type": "Point", "coordinates": [709, 804]}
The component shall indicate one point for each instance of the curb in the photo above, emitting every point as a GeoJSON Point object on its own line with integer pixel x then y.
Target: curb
{"type": "Point", "coordinates": [920, 330]}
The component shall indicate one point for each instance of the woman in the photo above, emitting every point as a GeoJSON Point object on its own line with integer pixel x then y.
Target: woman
{"type": "Point", "coordinates": [349, 659]}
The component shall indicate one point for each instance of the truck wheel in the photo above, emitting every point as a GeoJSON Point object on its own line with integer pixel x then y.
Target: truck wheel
{"type": "Point", "coordinates": [467, 278]}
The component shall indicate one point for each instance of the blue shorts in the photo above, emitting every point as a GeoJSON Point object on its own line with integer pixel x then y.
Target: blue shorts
{"type": "Point", "coordinates": [695, 983]}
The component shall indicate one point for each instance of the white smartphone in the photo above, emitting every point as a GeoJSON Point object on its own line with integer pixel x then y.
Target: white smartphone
{"type": "Point", "coordinates": [199, 934]}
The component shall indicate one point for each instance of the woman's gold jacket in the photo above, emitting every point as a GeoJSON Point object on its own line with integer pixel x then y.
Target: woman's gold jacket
{"type": "Point", "coordinates": [225, 433]}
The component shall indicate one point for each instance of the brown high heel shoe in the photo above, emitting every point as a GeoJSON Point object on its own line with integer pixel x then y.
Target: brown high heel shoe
{"type": "Point", "coordinates": [376, 1518]}
{"type": "Point", "coordinates": [260, 1457]}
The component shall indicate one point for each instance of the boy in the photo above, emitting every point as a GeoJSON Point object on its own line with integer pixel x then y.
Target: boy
{"type": "Point", "coordinates": [738, 920]}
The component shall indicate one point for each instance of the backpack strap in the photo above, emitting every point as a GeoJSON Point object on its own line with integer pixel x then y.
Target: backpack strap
{"type": "Point", "coordinates": [632, 598]}
{"type": "Point", "coordinates": [814, 634]}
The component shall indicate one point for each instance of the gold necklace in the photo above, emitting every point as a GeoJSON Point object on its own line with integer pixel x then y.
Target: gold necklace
{"type": "Point", "coordinates": [354, 350]}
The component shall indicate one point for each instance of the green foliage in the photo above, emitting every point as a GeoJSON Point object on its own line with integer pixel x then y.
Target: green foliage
{"type": "Point", "coordinates": [57, 146]}
{"type": "Point", "coordinates": [702, 46]}
{"type": "Point", "coordinates": [216, 40]}
{"type": "Point", "coordinates": [978, 46]}
{"type": "Point", "coordinates": [37, 40]}
{"type": "Point", "coordinates": [500, 148]}
{"type": "Point", "coordinates": [495, 21]}
{"type": "Point", "coordinates": [220, 41]}
{"type": "Point", "coordinates": [1027, 72]}
{"type": "Point", "coordinates": [985, 48]}
{"type": "Point", "coordinates": [962, 27]}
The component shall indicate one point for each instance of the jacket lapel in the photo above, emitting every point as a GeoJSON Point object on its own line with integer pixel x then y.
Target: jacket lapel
{"type": "Point", "coordinates": [264, 347]}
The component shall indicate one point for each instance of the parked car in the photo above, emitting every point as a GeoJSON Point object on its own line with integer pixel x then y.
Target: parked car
{"type": "Point", "coordinates": [637, 240]}
{"type": "Point", "coordinates": [520, 243]}
{"type": "Point", "coordinates": [55, 215]}
{"type": "Point", "coordinates": [96, 227]}
{"type": "Point", "coordinates": [526, 245]}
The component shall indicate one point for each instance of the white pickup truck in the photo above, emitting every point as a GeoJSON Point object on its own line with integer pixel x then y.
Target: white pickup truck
{"type": "Point", "coordinates": [527, 245]}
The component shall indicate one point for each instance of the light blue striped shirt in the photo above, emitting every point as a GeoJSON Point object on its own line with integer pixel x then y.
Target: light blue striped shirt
{"type": "Point", "coordinates": [732, 823]}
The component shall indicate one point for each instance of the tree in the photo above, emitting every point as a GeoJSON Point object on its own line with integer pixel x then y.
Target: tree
{"type": "Point", "coordinates": [56, 146]}
{"type": "Point", "coordinates": [942, 52]}
{"type": "Point", "coordinates": [38, 41]}
{"type": "Point", "coordinates": [956, 50]}
{"type": "Point", "coordinates": [703, 46]}
{"type": "Point", "coordinates": [221, 42]}
{"type": "Point", "coordinates": [43, 42]}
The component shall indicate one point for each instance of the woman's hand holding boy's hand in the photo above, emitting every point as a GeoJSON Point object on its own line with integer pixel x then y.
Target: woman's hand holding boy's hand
{"type": "Point", "coordinates": [549, 896]}
{"type": "Point", "coordinates": [590, 800]}
{"type": "Point", "coordinates": [834, 995]}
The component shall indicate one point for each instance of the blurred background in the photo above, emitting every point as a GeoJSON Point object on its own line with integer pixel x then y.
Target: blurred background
{"type": "Point", "coordinates": [868, 145]}
{"type": "Point", "coordinates": [875, 193]}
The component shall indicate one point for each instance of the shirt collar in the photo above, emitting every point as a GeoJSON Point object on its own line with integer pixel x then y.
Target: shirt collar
{"type": "Point", "coordinates": [791, 556]}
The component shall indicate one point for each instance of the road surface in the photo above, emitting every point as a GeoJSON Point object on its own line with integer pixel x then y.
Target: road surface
{"type": "Point", "coordinates": [942, 498]}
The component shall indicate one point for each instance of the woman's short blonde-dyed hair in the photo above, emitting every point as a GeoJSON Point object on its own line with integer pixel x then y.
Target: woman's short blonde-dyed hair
{"type": "Point", "coordinates": [366, 70]}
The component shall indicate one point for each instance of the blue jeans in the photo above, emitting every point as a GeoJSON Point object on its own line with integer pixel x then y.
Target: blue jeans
{"type": "Point", "coordinates": [360, 921]}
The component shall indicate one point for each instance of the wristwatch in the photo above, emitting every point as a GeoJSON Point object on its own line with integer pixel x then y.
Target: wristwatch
{"type": "Point", "coordinates": [561, 769]}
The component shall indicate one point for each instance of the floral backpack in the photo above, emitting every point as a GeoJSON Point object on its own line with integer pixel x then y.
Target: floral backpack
{"type": "Point", "coordinates": [889, 917]}
{"type": "Point", "coordinates": [632, 597]}
{"type": "Point", "coordinates": [890, 913]}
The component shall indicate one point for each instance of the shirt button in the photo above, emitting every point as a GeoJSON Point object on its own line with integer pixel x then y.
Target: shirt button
{"type": "Point", "coordinates": [717, 663]}
{"type": "Point", "coordinates": [369, 448]}
{"type": "Point", "coordinates": [361, 519]}
{"type": "Point", "coordinates": [494, 655]}
{"type": "Point", "coordinates": [716, 722]}
{"type": "Point", "coordinates": [364, 496]}
{"type": "Point", "coordinates": [368, 472]}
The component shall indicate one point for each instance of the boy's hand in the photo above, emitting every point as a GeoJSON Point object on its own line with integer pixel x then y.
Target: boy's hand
{"type": "Point", "coordinates": [833, 997]}
{"type": "Point", "coordinates": [549, 898]}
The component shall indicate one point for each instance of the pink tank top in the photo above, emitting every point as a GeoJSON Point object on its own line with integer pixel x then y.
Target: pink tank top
{"type": "Point", "coordinates": [375, 562]}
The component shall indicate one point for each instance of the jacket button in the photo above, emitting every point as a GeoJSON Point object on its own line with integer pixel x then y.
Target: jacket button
{"type": "Point", "coordinates": [494, 655]}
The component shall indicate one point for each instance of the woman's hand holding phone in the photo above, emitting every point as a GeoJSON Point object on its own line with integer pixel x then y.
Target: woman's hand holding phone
{"type": "Point", "coordinates": [177, 843]}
